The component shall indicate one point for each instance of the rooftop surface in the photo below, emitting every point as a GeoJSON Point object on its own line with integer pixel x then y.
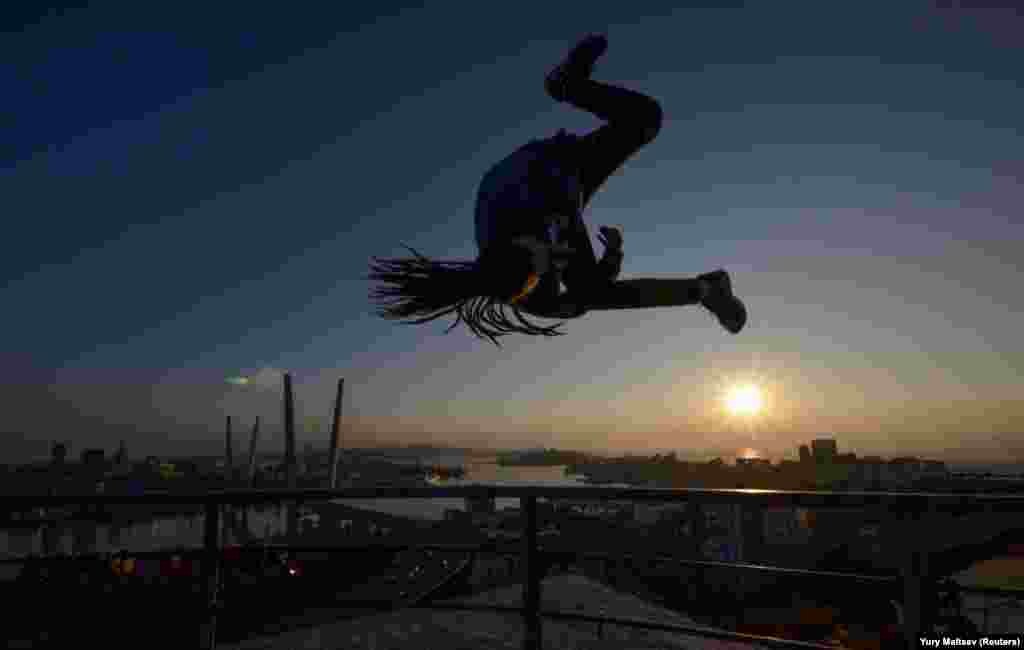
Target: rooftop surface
{"type": "Point", "coordinates": [425, 629]}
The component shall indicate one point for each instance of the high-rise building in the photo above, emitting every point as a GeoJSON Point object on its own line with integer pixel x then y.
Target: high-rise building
{"type": "Point", "coordinates": [59, 453]}
{"type": "Point", "coordinates": [805, 454]}
{"type": "Point", "coordinates": [93, 457]}
{"type": "Point", "coordinates": [94, 462]}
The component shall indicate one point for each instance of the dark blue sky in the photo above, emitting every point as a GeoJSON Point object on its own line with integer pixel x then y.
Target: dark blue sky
{"type": "Point", "coordinates": [190, 193]}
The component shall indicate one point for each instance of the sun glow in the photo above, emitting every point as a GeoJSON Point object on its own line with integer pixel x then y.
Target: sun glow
{"type": "Point", "coordinates": [744, 400]}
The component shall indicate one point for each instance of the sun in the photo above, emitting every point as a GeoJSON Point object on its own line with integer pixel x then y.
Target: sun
{"type": "Point", "coordinates": [744, 399]}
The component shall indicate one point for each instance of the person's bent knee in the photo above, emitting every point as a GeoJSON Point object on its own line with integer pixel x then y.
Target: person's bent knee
{"type": "Point", "coordinates": [645, 120]}
{"type": "Point", "coordinates": [651, 123]}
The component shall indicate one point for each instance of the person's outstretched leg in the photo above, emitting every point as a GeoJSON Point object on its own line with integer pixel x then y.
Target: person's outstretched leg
{"type": "Point", "coordinates": [644, 293]}
{"type": "Point", "coordinates": [711, 290]}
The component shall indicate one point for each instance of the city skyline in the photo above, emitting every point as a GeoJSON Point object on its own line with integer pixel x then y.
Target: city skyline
{"type": "Point", "coordinates": [208, 205]}
{"type": "Point", "coordinates": [271, 445]}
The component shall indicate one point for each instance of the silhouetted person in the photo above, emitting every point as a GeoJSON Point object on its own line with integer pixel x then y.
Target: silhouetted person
{"type": "Point", "coordinates": [531, 235]}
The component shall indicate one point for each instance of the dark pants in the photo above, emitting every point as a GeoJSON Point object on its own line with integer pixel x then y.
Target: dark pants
{"type": "Point", "coordinates": [632, 121]}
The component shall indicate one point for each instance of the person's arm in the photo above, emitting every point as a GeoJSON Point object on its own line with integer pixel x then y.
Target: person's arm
{"type": "Point", "coordinates": [611, 262]}
{"type": "Point", "coordinates": [582, 272]}
{"type": "Point", "coordinates": [585, 273]}
{"type": "Point", "coordinates": [586, 278]}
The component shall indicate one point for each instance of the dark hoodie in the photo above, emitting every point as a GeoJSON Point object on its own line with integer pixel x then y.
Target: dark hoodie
{"type": "Point", "coordinates": [534, 191]}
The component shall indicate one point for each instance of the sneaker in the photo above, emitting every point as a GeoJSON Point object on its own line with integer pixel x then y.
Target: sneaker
{"type": "Point", "coordinates": [721, 302]}
{"type": "Point", "coordinates": [579, 64]}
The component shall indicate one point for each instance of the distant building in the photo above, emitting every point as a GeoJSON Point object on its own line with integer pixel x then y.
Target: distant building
{"type": "Point", "coordinates": [168, 471]}
{"type": "Point", "coordinates": [59, 453]}
{"type": "Point", "coordinates": [869, 473]}
{"type": "Point", "coordinates": [805, 454]}
{"type": "Point", "coordinates": [824, 450]}
{"type": "Point", "coordinates": [902, 471]}
{"type": "Point", "coordinates": [762, 463]}
{"type": "Point", "coordinates": [93, 458]}
{"type": "Point", "coordinates": [187, 467]}
{"type": "Point", "coordinates": [906, 461]}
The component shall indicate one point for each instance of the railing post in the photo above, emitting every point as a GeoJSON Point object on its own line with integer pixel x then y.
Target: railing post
{"type": "Point", "coordinates": [696, 591]}
{"type": "Point", "coordinates": [531, 584]}
{"type": "Point", "coordinates": [984, 613]}
{"type": "Point", "coordinates": [211, 575]}
{"type": "Point", "coordinates": [915, 571]}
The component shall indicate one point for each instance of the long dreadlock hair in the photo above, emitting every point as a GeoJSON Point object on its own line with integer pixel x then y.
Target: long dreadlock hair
{"type": "Point", "coordinates": [423, 290]}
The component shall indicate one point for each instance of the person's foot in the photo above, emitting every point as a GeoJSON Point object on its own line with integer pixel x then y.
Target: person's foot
{"type": "Point", "coordinates": [720, 301]}
{"type": "Point", "coordinates": [578, 65]}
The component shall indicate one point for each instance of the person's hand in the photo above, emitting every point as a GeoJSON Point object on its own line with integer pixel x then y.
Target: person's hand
{"type": "Point", "coordinates": [611, 238]}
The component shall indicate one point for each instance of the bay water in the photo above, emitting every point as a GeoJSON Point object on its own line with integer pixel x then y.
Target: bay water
{"type": "Point", "coordinates": [187, 531]}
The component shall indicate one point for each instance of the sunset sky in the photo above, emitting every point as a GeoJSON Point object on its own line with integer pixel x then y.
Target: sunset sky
{"type": "Point", "coordinates": [194, 194]}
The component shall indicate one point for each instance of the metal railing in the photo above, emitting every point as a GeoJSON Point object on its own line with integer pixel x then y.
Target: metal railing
{"type": "Point", "coordinates": [914, 577]}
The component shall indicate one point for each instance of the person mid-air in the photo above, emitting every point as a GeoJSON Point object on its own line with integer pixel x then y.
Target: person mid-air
{"type": "Point", "coordinates": [531, 235]}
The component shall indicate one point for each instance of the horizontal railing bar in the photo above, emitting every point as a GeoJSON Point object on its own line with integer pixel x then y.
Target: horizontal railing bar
{"type": "Point", "coordinates": [583, 493]}
{"type": "Point", "coordinates": [498, 550]}
{"type": "Point", "coordinates": [478, 548]}
{"type": "Point", "coordinates": [711, 564]}
{"type": "Point", "coordinates": [198, 551]}
{"type": "Point", "coordinates": [991, 591]}
{"type": "Point", "coordinates": [102, 556]}
{"type": "Point", "coordinates": [708, 632]}
{"type": "Point", "coordinates": [551, 553]}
